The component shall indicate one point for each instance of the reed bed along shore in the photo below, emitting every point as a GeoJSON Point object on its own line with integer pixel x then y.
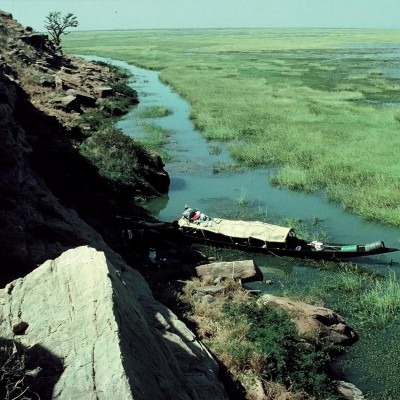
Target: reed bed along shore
{"type": "Point", "coordinates": [323, 105]}
{"type": "Point", "coordinates": [370, 304]}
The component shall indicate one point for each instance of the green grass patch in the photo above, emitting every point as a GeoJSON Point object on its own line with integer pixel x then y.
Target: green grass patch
{"type": "Point", "coordinates": [381, 299]}
{"type": "Point", "coordinates": [241, 200]}
{"type": "Point", "coordinates": [155, 138]}
{"type": "Point", "coordinates": [219, 168]}
{"type": "Point", "coordinates": [371, 305]}
{"type": "Point", "coordinates": [153, 112]}
{"type": "Point", "coordinates": [294, 178]}
{"type": "Point", "coordinates": [367, 298]}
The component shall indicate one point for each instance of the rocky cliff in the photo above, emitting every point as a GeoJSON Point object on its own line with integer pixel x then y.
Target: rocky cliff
{"type": "Point", "coordinates": [49, 192]}
{"type": "Point", "coordinates": [84, 324]}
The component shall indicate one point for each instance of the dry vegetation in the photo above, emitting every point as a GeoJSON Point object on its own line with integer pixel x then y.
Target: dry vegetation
{"type": "Point", "coordinates": [224, 337]}
{"type": "Point", "coordinates": [12, 373]}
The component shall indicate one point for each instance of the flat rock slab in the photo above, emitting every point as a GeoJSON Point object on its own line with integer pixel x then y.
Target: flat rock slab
{"type": "Point", "coordinates": [246, 270]}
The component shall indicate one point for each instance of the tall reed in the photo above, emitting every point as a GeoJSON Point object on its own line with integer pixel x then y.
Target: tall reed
{"type": "Point", "coordinates": [382, 299]}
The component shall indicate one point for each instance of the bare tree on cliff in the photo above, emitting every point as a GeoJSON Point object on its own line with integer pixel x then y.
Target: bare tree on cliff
{"type": "Point", "coordinates": [56, 24]}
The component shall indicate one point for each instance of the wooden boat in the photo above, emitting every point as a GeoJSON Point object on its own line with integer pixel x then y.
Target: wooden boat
{"type": "Point", "coordinates": [260, 237]}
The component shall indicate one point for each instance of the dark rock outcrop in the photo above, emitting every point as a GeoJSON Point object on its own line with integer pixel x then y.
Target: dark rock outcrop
{"type": "Point", "coordinates": [37, 40]}
{"type": "Point", "coordinates": [35, 224]}
{"type": "Point", "coordinates": [47, 189]}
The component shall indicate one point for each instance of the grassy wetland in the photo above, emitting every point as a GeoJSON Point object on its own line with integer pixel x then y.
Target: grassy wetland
{"type": "Point", "coordinates": [323, 105]}
{"type": "Point", "coordinates": [370, 304]}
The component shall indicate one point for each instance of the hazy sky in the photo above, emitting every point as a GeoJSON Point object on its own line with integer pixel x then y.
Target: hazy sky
{"type": "Point", "coordinates": [144, 14]}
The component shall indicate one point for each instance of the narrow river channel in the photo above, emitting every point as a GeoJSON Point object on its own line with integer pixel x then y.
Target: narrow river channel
{"type": "Point", "coordinates": [194, 182]}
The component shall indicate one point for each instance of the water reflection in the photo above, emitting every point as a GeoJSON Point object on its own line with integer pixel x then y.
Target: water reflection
{"type": "Point", "coordinates": [176, 184]}
{"type": "Point", "coordinates": [160, 203]}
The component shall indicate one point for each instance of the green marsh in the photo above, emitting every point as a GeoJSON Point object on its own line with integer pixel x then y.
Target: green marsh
{"type": "Point", "coordinates": [370, 304]}
{"type": "Point", "coordinates": [323, 105]}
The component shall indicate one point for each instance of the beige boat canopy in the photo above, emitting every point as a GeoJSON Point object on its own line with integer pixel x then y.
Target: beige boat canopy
{"type": "Point", "coordinates": [241, 229]}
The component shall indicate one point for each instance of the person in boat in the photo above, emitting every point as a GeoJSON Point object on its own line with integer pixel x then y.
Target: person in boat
{"type": "Point", "coordinates": [194, 215]}
{"type": "Point", "coordinates": [188, 213]}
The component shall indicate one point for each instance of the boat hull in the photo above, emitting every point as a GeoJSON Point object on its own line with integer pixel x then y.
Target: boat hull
{"type": "Point", "coordinates": [332, 251]}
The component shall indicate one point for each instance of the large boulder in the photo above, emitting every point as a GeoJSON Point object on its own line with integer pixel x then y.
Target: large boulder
{"type": "Point", "coordinates": [314, 321]}
{"type": "Point", "coordinates": [90, 328]}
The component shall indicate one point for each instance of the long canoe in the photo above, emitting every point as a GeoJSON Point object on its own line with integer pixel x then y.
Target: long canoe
{"type": "Point", "coordinates": [261, 237]}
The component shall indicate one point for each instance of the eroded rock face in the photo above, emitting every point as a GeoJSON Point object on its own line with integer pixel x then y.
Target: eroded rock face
{"type": "Point", "coordinates": [88, 324]}
{"type": "Point", "coordinates": [92, 329]}
{"type": "Point", "coordinates": [47, 188]}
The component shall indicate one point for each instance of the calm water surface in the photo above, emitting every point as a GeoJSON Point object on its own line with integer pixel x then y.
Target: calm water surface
{"type": "Point", "coordinates": [194, 182]}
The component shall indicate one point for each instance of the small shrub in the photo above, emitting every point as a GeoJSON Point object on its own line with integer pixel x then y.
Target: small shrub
{"type": "Point", "coordinates": [93, 119]}
{"type": "Point", "coordinates": [273, 347]}
{"type": "Point", "coordinates": [126, 90]}
{"type": "Point", "coordinates": [118, 158]}
{"type": "Point", "coordinates": [3, 30]}
{"type": "Point", "coordinates": [3, 35]}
